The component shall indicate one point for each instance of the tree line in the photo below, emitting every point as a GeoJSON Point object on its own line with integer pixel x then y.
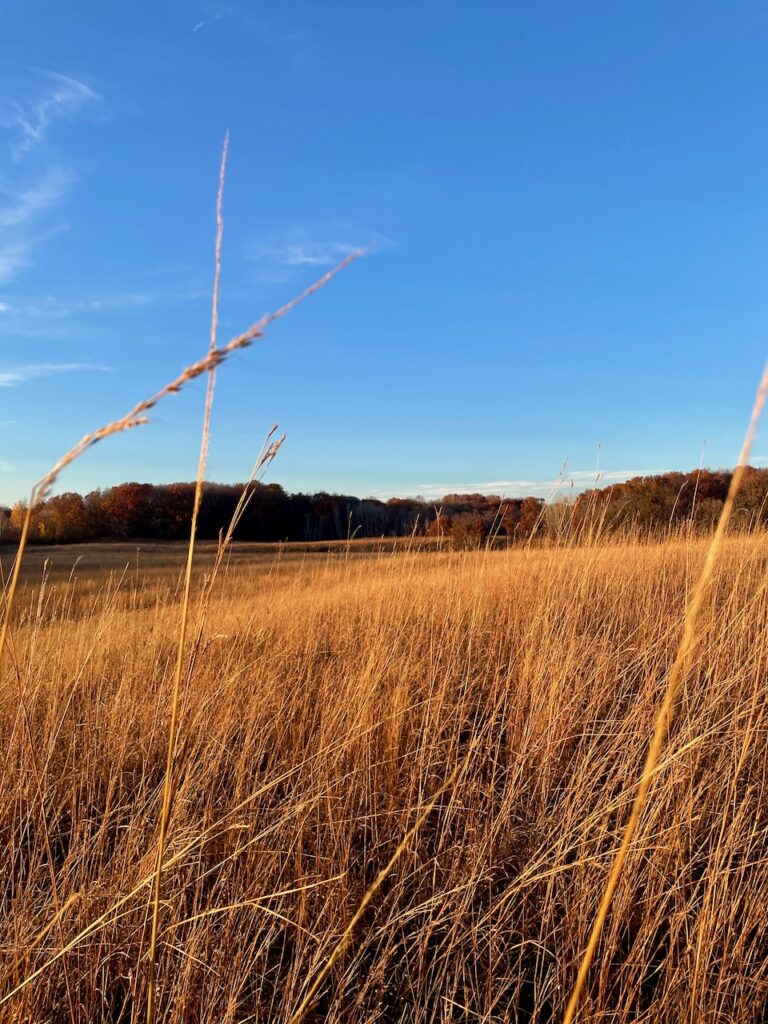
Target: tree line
{"type": "Point", "coordinates": [164, 511]}
{"type": "Point", "coordinates": [667, 500]}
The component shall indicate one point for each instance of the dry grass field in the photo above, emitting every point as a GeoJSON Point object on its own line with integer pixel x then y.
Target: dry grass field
{"type": "Point", "coordinates": [496, 705]}
{"type": "Point", "coordinates": [151, 558]}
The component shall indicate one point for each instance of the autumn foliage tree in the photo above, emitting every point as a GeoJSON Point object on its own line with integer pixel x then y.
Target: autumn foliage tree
{"type": "Point", "coordinates": [163, 512]}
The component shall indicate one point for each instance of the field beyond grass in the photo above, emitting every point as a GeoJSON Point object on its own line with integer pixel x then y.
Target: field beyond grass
{"type": "Point", "coordinates": [328, 701]}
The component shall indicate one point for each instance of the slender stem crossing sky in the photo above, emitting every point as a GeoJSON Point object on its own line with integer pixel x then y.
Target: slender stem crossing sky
{"type": "Point", "coordinates": [568, 205]}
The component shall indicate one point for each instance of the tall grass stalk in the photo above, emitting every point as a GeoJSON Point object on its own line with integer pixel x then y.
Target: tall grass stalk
{"type": "Point", "coordinates": [675, 679]}
{"type": "Point", "coordinates": [136, 418]}
{"type": "Point", "coordinates": [330, 699]}
{"type": "Point", "coordinates": [183, 623]}
{"type": "Point", "coordinates": [348, 932]}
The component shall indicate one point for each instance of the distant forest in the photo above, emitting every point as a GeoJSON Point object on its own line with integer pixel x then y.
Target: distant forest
{"type": "Point", "coordinates": [163, 512]}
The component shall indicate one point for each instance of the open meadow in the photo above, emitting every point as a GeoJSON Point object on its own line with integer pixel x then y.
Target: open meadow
{"type": "Point", "coordinates": [383, 513]}
{"type": "Point", "coordinates": [483, 715]}
{"type": "Point", "coordinates": [147, 560]}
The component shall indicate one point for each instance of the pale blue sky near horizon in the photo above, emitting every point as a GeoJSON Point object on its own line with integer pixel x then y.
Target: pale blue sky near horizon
{"type": "Point", "coordinates": [569, 205]}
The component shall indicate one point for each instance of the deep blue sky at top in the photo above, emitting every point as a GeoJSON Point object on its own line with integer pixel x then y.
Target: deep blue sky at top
{"type": "Point", "coordinates": [569, 201]}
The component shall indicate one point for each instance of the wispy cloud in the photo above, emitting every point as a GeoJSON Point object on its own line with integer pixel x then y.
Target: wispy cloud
{"type": "Point", "coordinates": [216, 16]}
{"type": "Point", "coordinates": [305, 247]}
{"type": "Point", "coordinates": [306, 254]}
{"type": "Point", "coordinates": [578, 480]}
{"type": "Point", "coordinates": [51, 309]}
{"type": "Point", "coordinates": [48, 97]}
{"type": "Point", "coordinates": [297, 49]}
{"type": "Point", "coordinates": [36, 197]}
{"type": "Point", "coordinates": [140, 298]}
{"type": "Point", "coordinates": [13, 376]}
{"type": "Point", "coordinates": [33, 186]}
{"type": "Point", "coordinates": [13, 256]}
{"type": "Point", "coordinates": [16, 253]}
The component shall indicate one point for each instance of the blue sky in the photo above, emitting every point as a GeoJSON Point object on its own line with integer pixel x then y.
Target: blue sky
{"type": "Point", "coordinates": [569, 204]}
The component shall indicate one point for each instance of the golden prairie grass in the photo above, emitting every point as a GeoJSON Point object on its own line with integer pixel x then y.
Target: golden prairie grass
{"type": "Point", "coordinates": [458, 781]}
{"type": "Point", "coordinates": [181, 652]}
{"type": "Point", "coordinates": [504, 697]}
{"type": "Point", "coordinates": [676, 678]}
{"type": "Point", "coordinates": [137, 417]}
